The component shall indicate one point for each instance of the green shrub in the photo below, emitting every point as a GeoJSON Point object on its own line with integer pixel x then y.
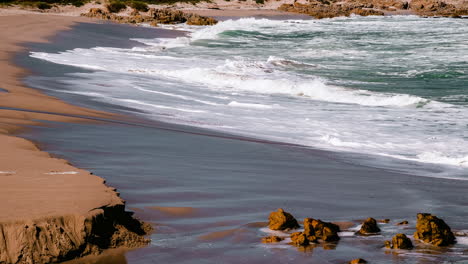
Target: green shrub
{"type": "Point", "coordinates": [139, 6]}
{"type": "Point", "coordinates": [77, 3]}
{"type": "Point", "coordinates": [260, 2]}
{"type": "Point", "coordinates": [116, 7]}
{"type": "Point", "coordinates": [43, 6]}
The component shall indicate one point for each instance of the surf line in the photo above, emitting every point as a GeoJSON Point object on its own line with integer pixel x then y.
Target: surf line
{"type": "Point", "coordinates": [156, 125]}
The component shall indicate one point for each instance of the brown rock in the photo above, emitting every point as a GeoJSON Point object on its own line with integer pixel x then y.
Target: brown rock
{"type": "Point", "coordinates": [385, 221]}
{"type": "Point", "coordinates": [369, 227]}
{"type": "Point", "coordinates": [433, 230]}
{"type": "Point", "coordinates": [299, 239]}
{"type": "Point", "coordinates": [358, 261]}
{"type": "Point", "coordinates": [314, 229]}
{"type": "Point", "coordinates": [403, 223]}
{"type": "Point", "coordinates": [399, 241]}
{"type": "Point", "coordinates": [272, 239]}
{"type": "Point", "coordinates": [281, 220]}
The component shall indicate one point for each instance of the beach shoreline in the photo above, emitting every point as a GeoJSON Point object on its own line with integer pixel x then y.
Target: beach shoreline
{"type": "Point", "coordinates": [52, 211]}
{"type": "Point", "coordinates": [170, 206]}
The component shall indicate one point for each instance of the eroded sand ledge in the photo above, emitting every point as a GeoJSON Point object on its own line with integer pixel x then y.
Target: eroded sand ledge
{"type": "Point", "coordinates": [50, 211]}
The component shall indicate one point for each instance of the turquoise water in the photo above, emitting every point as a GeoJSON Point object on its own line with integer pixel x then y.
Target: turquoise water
{"type": "Point", "coordinates": [393, 90]}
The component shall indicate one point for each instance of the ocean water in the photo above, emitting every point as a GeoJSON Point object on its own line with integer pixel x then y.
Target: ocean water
{"type": "Point", "coordinates": [390, 91]}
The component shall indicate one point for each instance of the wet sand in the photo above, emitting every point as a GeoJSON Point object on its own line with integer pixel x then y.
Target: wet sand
{"type": "Point", "coordinates": [209, 193]}
{"type": "Point", "coordinates": [59, 201]}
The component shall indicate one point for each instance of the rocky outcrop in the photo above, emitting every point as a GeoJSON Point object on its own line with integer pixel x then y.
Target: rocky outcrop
{"type": "Point", "coordinates": [403, 223]}
{"type": "Point", "coordinates": [281, 220]}
{"type": "Point", "coordinates": [369, 227]}
{"type": "Point", "coordinates": [438, 8]}
{"type": "Point", "coordinates": [325, 9]}
{"type": "Point", "coordinates": [334, 8]}
{"type": "Point", "coordinates": [56, 239]}
{"type": "Point", "coordinates": [317, 229]}
{"type": "Point", "coordinates": [272, 239]}
{"type": "Point", "coordinates": [153, 17]}
{"type": "Point", "coordinates": [299, 239]}
{"type": "Point", "coordinates": [433, 230]}
{"type": "Point", "coordinates": [399, 241]}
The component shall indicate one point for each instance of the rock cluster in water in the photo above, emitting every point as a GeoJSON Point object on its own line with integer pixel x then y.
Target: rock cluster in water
{"type": "Point", "coordinates": [334, 8]}
{"type": "Point", "coordinates": [429, 229]}
{"type": "Point", "coordinates": [153, 17]}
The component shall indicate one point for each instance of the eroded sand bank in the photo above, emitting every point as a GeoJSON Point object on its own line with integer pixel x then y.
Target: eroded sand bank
{"type": "Point", "coordinates": [50, 210]}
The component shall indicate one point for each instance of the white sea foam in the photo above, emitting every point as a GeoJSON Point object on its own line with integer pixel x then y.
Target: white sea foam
{"type": "Point", "coordinates": [302, 90]}
{"type": "Point", "coordinates": [248, 105]}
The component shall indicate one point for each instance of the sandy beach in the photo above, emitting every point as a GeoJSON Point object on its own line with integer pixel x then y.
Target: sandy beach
{"type": "Point", "coordinates": [36, 189]}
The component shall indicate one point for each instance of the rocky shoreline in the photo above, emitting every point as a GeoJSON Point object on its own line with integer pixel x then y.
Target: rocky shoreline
{"type": "Point", "coordinates": [328, 9]}
{"type": "Point", "coordinates": [153, 17]}
{"type": "Point", "coordinates": [429, 229]}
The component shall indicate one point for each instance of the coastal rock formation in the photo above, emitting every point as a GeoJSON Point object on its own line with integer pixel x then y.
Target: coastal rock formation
{"type": "Point", "coordinates": [369, 227]}
{"type": "Point", "coordinates": [358, 261]}
{"type": "Point", "coordinates": [326, 9]}
{"type": "Point", "coordinates": [314, 229]}
{"type": "Point", "coordinates": [403, 223]}
{"type": "Point", "coordinates": [384, 221]}
{"type": "Point", "coordinates": [281, 220]}
{"type": "Point", "coordinates": [334, 8]}
{"type": "Point", "coordinates": [438, 8]}
{"type": "Point", "coordinates": [153, 17]}
{"type": "Point", "coordinates": [299, 239]}
{"type": "Point", "coordinates": [62, 238]}
{"type": "Point", "coordinates": [399, 241]}
{"type": "Point", "coordinates": [272, 239]}
{"type": "Point", "coordinates": [433, 230]}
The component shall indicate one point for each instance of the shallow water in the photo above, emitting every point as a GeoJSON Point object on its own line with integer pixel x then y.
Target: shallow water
{"type": "Point", "coordinates": [207, 192]}
{"type": "Point", "coordinates": [387, 86]}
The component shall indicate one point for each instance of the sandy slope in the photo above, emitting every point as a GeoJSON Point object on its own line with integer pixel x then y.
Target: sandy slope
{"type": "Point", "coordinates": [62, 202]}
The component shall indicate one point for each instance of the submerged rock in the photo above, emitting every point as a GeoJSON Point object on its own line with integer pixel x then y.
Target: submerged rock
{"type": "Point", "coordinates": [399, 241]}
{"type": "Point", "coordinates": [369, 227]}
{"type": "Point", "coordinates": [433, 230]}
{"type": "Point", "coordinates": [358, 261]}
{"type": "Point", "coordinates": [384, 221]}
{"type": "Point", "coordinates": [272, 239]}
{"type": "Point", "coordinates": [281, 220]}
{"type": "Point", "coordinates": [403, 223]}
{"type": "Point", "coordinates": [299, 239]}
{"type": "Point", "coordinates": [326, 231]}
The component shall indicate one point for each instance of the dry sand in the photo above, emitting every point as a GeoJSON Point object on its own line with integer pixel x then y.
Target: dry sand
{"type": "Point", "coordinates": [35, 188]}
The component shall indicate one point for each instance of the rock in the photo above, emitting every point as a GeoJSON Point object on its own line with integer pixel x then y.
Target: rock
{"type": "Point", "coordinates": [384, 221]}
{"type": "Point", "coordinates": [272, 239]}
{"type": "Point", "coordinates": [168, 16]}
{"type": "Point", "coordinates": [369, 227]}
{"type": "Point", "coordinates": [134, 13]}
{"type": "Point", "coordinates": [433, 230]}
{"type": "Point", "coordinates": [314, 229]}
{"type": "Point", "coordinates": [403, 223]}
{"type": "Point", "coordinates": [163, 16]}
{"type": "Point", "coordinates": [201, 21]}
{"type": "Point", "coordinates": [358, 261]}
{"type": "Point", "coordinates": [399, 241]}
{"type": "Point", "coordinates": [299, 239]}
{"type": "Point", "coordinates": [281, 220]}
{"type": "Point", "coordinates": [388, 244]}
